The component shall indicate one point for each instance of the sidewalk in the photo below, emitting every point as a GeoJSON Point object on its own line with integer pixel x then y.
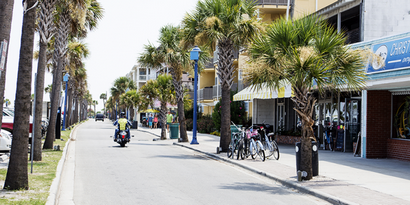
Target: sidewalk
{"type": "Point", "coordinates": [343, 179]}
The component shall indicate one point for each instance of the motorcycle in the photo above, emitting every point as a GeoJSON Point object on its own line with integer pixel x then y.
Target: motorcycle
{"type": "Point", "coordinates": [122, 138]}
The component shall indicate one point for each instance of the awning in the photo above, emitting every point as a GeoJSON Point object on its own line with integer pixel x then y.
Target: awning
{"type": "Point", "coordinates": [250, 93]}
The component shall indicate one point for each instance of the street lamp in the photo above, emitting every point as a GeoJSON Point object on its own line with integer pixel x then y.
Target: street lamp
{"type": "Point", "coordinates": [195, 56]}
{"type": "Point", "coordinates": [65, 79]}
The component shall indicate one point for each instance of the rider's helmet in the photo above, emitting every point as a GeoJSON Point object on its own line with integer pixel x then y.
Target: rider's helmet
{"type": "Point", "coordinates": [122, 114]}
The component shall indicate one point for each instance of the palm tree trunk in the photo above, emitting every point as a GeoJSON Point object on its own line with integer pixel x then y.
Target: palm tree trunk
{"type": "Point", "coordinates": [179, 93]}
{"type": "Point", "coordinates": [75, 114]}
{"type": "Point", "coordinates": [163, 118]}
{"type": "Point", "coordinates": [59, 61]}
{"type": "Point", "coordinates": [225, 73]}
{"type": "Point", "coordinates": [6, 16]}
{"type": "Point", "coordinates": [304, 106]}
{"type": "Point", "coordinates": [17, 175]}
{"type": "Point", "coordinates": [41, 68]}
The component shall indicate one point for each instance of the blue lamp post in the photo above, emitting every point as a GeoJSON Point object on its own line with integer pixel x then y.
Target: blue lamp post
{"type": "Point", "coordinates": [195, 56]}
{"type": "Point", "coordinates": [65, 79]}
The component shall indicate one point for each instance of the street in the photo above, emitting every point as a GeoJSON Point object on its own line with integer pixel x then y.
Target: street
{"type": "Point", "coordinates": [157, 172]}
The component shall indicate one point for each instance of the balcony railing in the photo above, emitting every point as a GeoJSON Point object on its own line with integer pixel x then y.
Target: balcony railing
{"type": "Point", "coordinates": [205, 94]}
{"type": "Point", "coordinates": [217, 90]}
{"type": "Point", "coordinates": [272, 2]}
{"type": "Point", "coordinates": [142, 77]}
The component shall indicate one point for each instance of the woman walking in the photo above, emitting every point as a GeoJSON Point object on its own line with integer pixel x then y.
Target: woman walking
{"type": "Point", "coordinates": [155, 121]}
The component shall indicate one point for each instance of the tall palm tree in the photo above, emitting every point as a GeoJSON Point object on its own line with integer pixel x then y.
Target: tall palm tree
{"type": "Point", "coordinates": [95, 102]}
{"type": "Point", "coordinates": [308, 54]}
{"type": "Point", "coordinates": [70, 21]}
{"type": "Point", "coordinates": [148, 95]}
{"type": "Point", "coordinates": [163, 90]}
{"type": "Point", "coordinates": [17, 176]}
{"type": "Point", "coordinates": [227, 24]}
{"type": "Point", "coordinates": [6, 16]}
{"type": "Point", "coordinates": [46, 28]}
{"type": "Point", "coordinates": [121, 85]}
{"type": "Point", "coordinates": [103, 96]}
{"type": "Point", "coordinates": [130, 100]}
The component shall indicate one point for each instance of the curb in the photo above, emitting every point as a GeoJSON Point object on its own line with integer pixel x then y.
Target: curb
{"type": "Point", "coordinates": [55, 185]}
{"type": "Point", "coordinates": [287, 183]}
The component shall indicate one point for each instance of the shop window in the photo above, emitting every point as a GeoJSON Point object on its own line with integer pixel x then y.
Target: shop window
{"type": "Point", "coordinates": [401, 114]}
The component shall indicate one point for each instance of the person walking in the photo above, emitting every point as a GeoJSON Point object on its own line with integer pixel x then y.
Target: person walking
{"type": "Point", "coordinates": [150, 121]}
{"type": "Point", "coordinates": [155, 121]}
{"type": "Point", "coordinates": [169, 119]}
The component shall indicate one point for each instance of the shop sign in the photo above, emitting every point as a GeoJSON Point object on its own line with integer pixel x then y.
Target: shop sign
{"type": "Point", "coordinates": [396, 55]}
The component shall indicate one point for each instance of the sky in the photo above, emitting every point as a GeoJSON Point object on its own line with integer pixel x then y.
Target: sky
{"type": "Point", "coordinates": [114, 46]}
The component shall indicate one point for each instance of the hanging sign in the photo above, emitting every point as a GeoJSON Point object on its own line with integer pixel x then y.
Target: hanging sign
{"type": "Point", "coordinates": [395, 54]}
{"type": "Point", "coordinates": [3, 53]}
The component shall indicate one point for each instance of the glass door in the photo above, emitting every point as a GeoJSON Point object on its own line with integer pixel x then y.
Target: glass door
{"type": "Point", "coordinates": [352, 122]}
{"type": "Point", "coordinates": [280, 118]}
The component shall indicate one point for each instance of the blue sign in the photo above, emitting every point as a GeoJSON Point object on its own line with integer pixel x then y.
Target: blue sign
{"type": "Point", "coordinates": [396, 55]}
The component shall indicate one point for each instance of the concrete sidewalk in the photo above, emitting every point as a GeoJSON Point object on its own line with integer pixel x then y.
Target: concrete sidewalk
{"type": "Point", "coordinates": [343, 178]}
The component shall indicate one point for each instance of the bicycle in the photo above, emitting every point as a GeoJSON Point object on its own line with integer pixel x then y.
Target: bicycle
{"type": "Point", "coordinates": [255, 146]}
{"type": "Point", "coordinates": [269, 144]}
{"type": "Point", "coordinates": [233, 146]}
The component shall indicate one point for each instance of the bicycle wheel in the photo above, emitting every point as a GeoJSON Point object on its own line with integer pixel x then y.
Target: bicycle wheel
{"type": "Point", "coordinates": [240, 152]}
{"type": "Point", "coordinates": [275, 150]}
{"type": "Point", "coordinates": [267, 146]}
{"type": "Point", "coordinates": [252, 149]}
{"type": "Point", "coordinates": [261, 152]}
{"type": "Point", "coordinates": [229, 152]}
{"type": "Point", "coordinates": [235, 148]}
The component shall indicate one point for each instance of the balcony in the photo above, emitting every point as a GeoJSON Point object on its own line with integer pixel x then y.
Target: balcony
{"type": "Point", "coordinates": [272, 2]}
{"type": "Point", "coordinates": [217, 90]}
{"type": "Point", "coordinates": [142, 78]}
{"type": "Point", "coordinates": [205, 94]}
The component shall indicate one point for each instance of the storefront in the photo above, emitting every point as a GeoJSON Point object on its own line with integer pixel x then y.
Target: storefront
{"type": "Point", "coordinates": [385, 130]}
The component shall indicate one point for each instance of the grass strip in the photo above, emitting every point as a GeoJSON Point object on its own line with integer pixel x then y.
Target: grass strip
{"type": "Point", "coordinates": [40, 180]}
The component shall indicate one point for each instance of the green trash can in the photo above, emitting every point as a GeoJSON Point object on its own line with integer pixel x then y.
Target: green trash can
{"type": "Point", "coordinates": [174, 130]}
{"type": "Point", "coordinates": [234, 130]}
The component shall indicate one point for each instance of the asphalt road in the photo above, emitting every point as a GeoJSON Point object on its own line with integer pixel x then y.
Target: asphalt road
{"type": "Point", "coordinates": [157, 172]}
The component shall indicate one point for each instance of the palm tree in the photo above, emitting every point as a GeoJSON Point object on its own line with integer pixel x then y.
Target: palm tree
{"type": "Point", "coordinates": [163, 90]}
{"type": "Point", "coordinates": [46, 29]}
{"type": "Point", "coordinates": [130, 100]}
{"type": "Point", "coordinates": [227, 24]}
{"type": "Point", "coordinates": [121, 85]}
{"type": "Point", "coordinates": [6, 16]}
{"type": "Point", "coordinates": [68, 24]}
{"type": "Point", "coordinates": [17, 176]}
{"type": "Point", "coordinates": [306, 53]}
{"type": "Point", "coordinates": [103, 96]}
{"type": "Point", "coordinates": [95, 102]}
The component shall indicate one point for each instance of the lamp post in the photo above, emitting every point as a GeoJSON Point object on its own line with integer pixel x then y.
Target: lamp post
{"type": "Point", "coordinates": [195, 56]}
{"type": "Point", "coordinates": [65, 79]}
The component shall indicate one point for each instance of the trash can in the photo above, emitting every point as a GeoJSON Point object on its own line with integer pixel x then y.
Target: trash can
{"type": "Point", "coordinates": [135, 125]}
{"type": "Point", "coordinates": [174, 131]}
{"type": "Point", "coordinates": [315, 158]}
{"type": "Point", "coordinates": [234, 129]}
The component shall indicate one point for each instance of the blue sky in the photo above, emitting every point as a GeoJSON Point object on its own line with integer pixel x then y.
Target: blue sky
{"type": "Point", "coordinates": [114, 46]}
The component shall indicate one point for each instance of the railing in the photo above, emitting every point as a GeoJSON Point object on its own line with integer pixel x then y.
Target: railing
{"type": "Point", "coordinates": [272, 2]}
{"type": "Point", "coordinates": [205, 94]}
{"type": "Point", "coordinates": [191, 95]}
{"type": "Point", "coordinates": [217, 90]}
{"type": "Point", "coordinates": [142, 77]}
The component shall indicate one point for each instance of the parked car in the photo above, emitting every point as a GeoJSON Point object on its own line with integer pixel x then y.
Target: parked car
{"type": "Point", "coordinates": [5, 141]}
{"type": "Point", "coordinates": [8, 120]}
{"type": "Point", "coordinates": [99, 117]}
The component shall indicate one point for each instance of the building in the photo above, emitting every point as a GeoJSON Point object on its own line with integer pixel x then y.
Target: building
{"type": "Point", "coordinates": [267, 10]}
{"type": "Point", "coordinates": [376, 118]}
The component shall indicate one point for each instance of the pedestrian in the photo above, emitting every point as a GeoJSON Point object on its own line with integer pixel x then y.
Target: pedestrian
{"type": "Point", "coordinates": [150, 121]}
{"type": "Point", "coordinates": [155, 121]}
{"type": "Point", "coordinates": [169, 119]}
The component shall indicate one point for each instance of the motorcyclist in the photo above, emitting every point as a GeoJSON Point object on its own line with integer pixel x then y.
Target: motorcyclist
{"type": "Point", "coordinates": [123, 124]}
